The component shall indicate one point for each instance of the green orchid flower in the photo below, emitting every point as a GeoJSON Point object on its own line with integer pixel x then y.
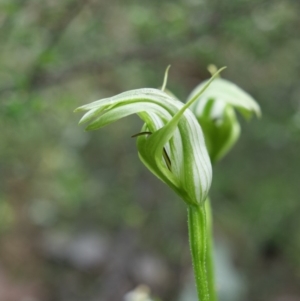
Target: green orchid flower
{"type": "Point", "coordinates": [215, 111]}
{"type": "Point", "coordinates": [171, 144]}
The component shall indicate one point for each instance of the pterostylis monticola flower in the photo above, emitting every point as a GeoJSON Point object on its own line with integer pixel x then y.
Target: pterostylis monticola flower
{"type": "Point", "coordinates": [215, 111]}
{"type": "Point", "coordinates": [171, 145]}
{"type": "Point", "coordinates": [170, 128]}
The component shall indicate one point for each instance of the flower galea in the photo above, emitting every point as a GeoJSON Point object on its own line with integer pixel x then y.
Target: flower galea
{"type": "Point", "coordinates": [171, 143]}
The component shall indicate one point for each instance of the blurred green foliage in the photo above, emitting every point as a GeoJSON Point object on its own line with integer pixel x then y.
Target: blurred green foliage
{"type": "Point", "coordinates": [55, 178]}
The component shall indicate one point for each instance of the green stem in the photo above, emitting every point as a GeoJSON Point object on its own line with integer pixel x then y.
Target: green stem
{"type": "Point", "coordinates": [201, 247]}
{"type": "Point", "coordinates": [198, 242]}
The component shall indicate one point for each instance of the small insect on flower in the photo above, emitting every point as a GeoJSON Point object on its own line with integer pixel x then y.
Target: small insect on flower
{"type": "Point", "coordinates": [165, 154]}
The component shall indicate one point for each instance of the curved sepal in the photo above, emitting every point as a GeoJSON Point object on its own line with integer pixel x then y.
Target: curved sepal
{"type": "Point", "coordinates": [215, 112]}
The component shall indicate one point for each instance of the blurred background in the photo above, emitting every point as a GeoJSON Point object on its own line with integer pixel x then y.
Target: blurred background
{"type": "Point", "coordinates": [80, 217]}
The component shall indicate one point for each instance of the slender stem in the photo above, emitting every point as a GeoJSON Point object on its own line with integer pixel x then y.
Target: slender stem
{"type": "Point", "coordinates": [198, 237]}
{"type": "Point", "coordinates": [209, 253]}
{"type": "Point", "coordinates": [200, 244]}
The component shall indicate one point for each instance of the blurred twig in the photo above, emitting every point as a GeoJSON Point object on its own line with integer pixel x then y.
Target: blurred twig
{"type": "Point", "coordinates": [8, 24]}
{"type": "Point", "coordinates": [57, 31]}
{"type": "Point", "coordinates": [36, 75]}
{"type": "Point", "coordinates": [40, 79]}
